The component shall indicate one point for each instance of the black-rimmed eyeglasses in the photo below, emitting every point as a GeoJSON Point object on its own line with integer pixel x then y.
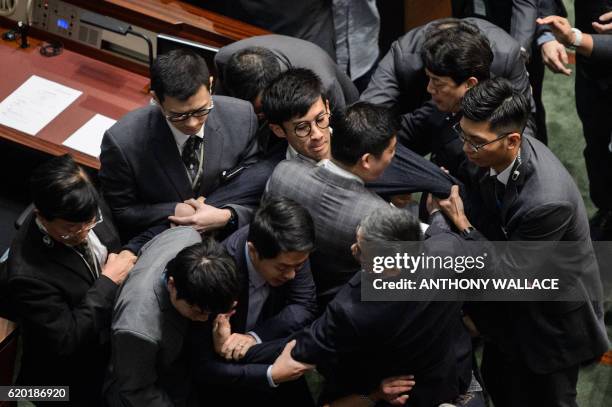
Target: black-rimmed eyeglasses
{"type": "Point", "coordinates": [174, 118]}
{"type": "Point", "coordinates": [303, 129]}
{"type": "Point", "coordinates": [476, 147]}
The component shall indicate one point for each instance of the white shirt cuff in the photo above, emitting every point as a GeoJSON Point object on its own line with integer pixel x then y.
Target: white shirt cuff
{"type": "Point", "coordinates": [254, 335]}
{"type": "Point", "coordinates": [269, 377]}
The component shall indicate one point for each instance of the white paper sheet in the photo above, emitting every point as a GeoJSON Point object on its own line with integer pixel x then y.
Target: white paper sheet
{"type": "Point", "coordinates": [88, 138]}
{"type": "Point", "coordinates": [35, 103]}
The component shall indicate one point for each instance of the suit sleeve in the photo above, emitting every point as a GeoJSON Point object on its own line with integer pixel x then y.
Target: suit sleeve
{"type": "Point", "coordinates": [384, 87]}
{"type": "Point", "coordinates": [61, 327]}
{"type": "Point", "coordinates": [299, 311]}
{"type": "Point", "coordinates": [134, 361]}
{"type": "Point", "coordinates": [211, 369]}
{"type": "Point", "coordinates": [523, 23]}
{"type": "Point", "coordinates": [250, 157]}
{"type": "Point", "coordinates": [121, 192]}
{"type": "Point", "coordinates": [331, 333]}
{"type": "Point", "coordinates": [415, 129]}
{"type": "Point", "coordinates": [602, 47]}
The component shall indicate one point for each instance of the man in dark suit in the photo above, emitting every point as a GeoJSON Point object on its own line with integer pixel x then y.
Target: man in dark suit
{"type": "Point", "coordinates": [62, 279]}
{"type": "Point", "coordinates": [334, 192]}
{"type": "Point", "coordinates": [455, 59]}
{"type": "Point", "coordinates": [277, 298]}
{"type": "Point", "coordinates": [356, 344]}
{"type": "Point", "coordinates": [591, 39]}
{"type": "Point", "coordinates": [310, 20]}
{"type": "Point", "coordinates": [400, 80]}
{"type": "Point", "coordinates": [533, 349]}
{"type": "Point", "coordinates": [516, 17]}
{"type": "Point", "coordinates": [161, 155]}
{"type": "Point", "coordinates": [177, 280]}
{"type": "Point", "coordinates": [247, 66]}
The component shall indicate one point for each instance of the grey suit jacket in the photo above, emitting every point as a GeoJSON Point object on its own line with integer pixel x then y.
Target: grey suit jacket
{"type": "Point", "coordinates": [337, 206]}
{"type": "Point", "coordinates": [602, 47]}
{"type": "Point", "coordinates": [400, 80]}
{"type": "Point", "coordinates": [296, 53]}
{"type": "Point", "coordinates": [148, 363]}
{"type": "Point", "coordinates": [143, 176]}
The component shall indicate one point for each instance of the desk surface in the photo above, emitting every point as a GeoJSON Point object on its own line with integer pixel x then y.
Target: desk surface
{"type": "Point", "coordinates": [107, 90]}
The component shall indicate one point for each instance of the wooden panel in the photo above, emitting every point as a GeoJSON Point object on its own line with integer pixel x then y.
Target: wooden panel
{"type": "Point", "coordinates": [419, 12]}
{"type": "Point", "coordinates": [107, 90]}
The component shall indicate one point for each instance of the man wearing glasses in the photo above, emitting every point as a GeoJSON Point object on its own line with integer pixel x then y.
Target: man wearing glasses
{"type": "Point", "coordinates": [159, 157]}
{"type": "Point", "coordinates": [63, 274]}
{"type": "Point", "coordinates": [334, 191]}
{"type": "Point", "coordinates": [533, 350]}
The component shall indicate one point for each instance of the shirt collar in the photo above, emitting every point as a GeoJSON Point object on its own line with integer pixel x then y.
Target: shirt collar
{"type": "Point", "coordinates": [181, 138]}
{"type": "Point", "coordinates": [336, 169]}
{"type": "Point", "coordinates": [255, 279]}
{"type": "Point", "coordinates": [503, 176]}
{"type": "Point", "coordinates": [293, 154]}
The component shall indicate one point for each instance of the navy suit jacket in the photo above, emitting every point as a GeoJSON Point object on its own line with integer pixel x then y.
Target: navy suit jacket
{"type": "Point", "coordinates": [143, 176]}
{"type": "Point", "coordinates": [288, 308]}
{"type": "Point", "coordinates": [355, 344]}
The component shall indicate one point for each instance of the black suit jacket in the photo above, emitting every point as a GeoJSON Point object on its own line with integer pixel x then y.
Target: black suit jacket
{"type": "Point", "coordinates": [65, 314]}
{"type": "Point", "coordinates": [143, 176]}
{"type": "Point", "coordinates": [517, 17]}
{"type": "Point", "coordinates": [542, 203]}
{"type": "Point", "coordinates": [400, 80]}
{"type": "Point", "coordinates": [288, 308]}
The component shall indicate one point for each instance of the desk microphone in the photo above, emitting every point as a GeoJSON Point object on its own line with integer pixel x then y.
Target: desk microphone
{"type": "Point", "coordinates": [22, 29]}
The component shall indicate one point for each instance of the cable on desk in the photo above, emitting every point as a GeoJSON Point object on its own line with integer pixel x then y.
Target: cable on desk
{"type": "Point", "coordinates": [51, 49]}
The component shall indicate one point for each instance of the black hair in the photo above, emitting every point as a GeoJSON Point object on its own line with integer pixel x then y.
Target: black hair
{"type": "Point", "coordinates": [363, 128]}
{"type": "Point", "coordinates": [281, 225]}
{"type": "Point", "coordinates": [390, 224]}
{"type": "Point", "coordinates": [249, 71]}
{"type": "Point", "coordinates": [450, 23]}
{"type": "Point", "coordinates": [179, 73]}
{"type": "Point", "coordinates": [61, 189]}
{"type": "Point", "coordinates": [497, 102]}
{"type": "Point", "coordinates": [291, 95]}
{"type": "Point", "coordinates": [458, 52]}
{"type": "Point", "coordinates": [205, 275]}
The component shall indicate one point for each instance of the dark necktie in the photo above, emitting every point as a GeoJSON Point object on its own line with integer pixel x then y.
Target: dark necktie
{"type": "Point", "coordinates": [191, 159]}
{"type": "Point", "coordinates": [84, 250]}
{"type": "Point", "coordinates": [500, 191]}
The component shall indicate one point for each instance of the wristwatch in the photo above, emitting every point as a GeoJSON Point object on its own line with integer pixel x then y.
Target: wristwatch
{"type": "Point", "coordinates": [467, 232]}
{"type": "Point", "coordinates": [232, 223]}
{"type": "Point", "coordinates": [577, 39]}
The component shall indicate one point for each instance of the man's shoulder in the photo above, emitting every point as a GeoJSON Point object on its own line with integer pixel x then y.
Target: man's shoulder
{"type": "Point", "coordinates": [137, 124]}
{"type": "Point", "coordinates": [228, 103]}
{"type": "Point", "coordinates": [287, 169]}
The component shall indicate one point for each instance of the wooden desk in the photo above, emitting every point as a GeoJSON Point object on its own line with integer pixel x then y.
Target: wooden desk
{"type": "Point", "coordinates": [107, 90]}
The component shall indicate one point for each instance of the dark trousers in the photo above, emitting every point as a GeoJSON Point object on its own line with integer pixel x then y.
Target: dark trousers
{"type": "Point", "coordinates": [510, 383]}
{"type": "Point", "coordinates": [536, 79]}
{"type": "Point", "coordinates": [594, 105]}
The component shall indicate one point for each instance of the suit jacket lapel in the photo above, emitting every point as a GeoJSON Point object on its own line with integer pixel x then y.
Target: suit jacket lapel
{"type": "Point", "coordinates": [239, 319]}
{"type": "Point", "coordinates": [213, 149]}
{"type": "Point", "coordinates": [59, 253]}
{"type": "Point", "coordinates": [164, 148]}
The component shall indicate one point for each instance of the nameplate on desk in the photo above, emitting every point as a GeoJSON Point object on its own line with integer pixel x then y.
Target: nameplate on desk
{"type": "Point", "coordinates": [35, 104]}
{"type": "Point", "coordinates": [88, 138]}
